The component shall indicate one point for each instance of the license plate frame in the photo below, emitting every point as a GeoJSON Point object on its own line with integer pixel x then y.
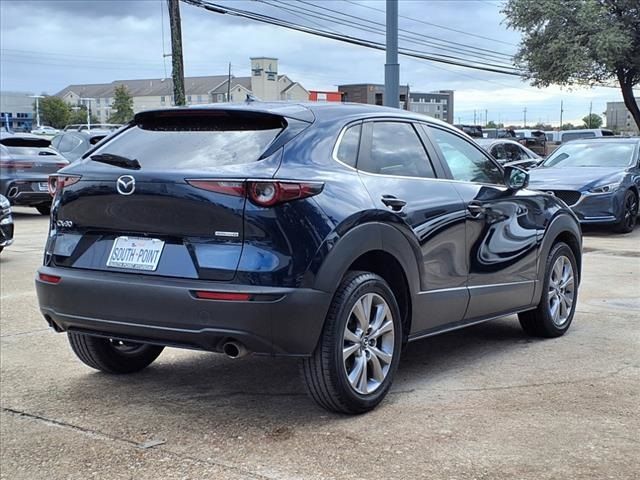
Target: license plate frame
{"type": "Point", "coordinates": [135, 253]}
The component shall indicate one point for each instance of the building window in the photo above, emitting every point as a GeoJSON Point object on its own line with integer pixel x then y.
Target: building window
{"type": "Point", "coordinates": [221, 97]}
{"type": "Point", "coordinates": [199, 98]}
{"type": "Point", "coordinates": [378, 99]}
{"type": "Point", "coordinates": [189, 98]}
{"type": "Point", "coordinates": [163, 100]}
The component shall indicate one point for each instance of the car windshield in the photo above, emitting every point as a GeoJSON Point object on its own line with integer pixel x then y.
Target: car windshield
{"type": "Point", "coordinates": [591, 155]}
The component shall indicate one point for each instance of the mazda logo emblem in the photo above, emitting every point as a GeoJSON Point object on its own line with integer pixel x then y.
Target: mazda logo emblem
{"type": "Point", "coordinates": [126, 185]}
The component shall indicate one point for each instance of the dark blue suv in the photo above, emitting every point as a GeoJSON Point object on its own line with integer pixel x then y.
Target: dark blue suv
{"type": "Point", "coordinates": [332, 233]}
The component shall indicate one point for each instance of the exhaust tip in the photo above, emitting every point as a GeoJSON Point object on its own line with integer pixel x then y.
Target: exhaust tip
{"type": "Point", "coordinates": [13, 191]}
{"type": "Point", "coordinates": [234, 349]}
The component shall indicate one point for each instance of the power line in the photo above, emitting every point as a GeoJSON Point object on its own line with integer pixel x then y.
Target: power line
{"type": "Point", "coordinates": [483, 58]}
{"type": "Point", "coordinates": [434, 24]}
{"type": "Point", "coordinates": [473, 48]}
{"type": "Point", "coordinates": [215, 8]}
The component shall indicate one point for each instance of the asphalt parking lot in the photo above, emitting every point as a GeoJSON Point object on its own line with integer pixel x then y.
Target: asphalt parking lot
{"type": "Point", "coordinates": [485, 403]}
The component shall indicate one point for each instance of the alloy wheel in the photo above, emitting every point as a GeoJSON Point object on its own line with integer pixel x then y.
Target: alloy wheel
{"type": "Point", "coordinates": [368, 343]}
{"type": "Point", "coordinates": [630, 211]}
{"type": "Point", "coordinates": [561, 291]}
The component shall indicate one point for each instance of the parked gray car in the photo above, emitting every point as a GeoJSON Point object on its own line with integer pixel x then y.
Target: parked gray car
{"type": "Point", "coordinates": [510, 152]}
{"type": "Point", "coordinates": [6, 223]}
{"type": "Point", "coordinates": [73, 144]}
{"type": "Point", "coordinates": [25, 164]}
{"type": "Point", "coordinates": [598, 178]}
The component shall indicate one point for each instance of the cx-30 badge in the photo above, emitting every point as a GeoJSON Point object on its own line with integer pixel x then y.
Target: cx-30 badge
{"type": "Point", "coordinates": [126, 185]}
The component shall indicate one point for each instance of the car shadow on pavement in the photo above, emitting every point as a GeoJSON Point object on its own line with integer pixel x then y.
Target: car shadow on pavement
{"type": "Point", "coordinates": [195, 384]}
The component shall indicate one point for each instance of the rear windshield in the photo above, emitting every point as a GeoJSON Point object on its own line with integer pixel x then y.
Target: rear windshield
{"type": "Point", "coordinates": [196, 141]}
{"type": "Point", "coordinates": [27, 146]}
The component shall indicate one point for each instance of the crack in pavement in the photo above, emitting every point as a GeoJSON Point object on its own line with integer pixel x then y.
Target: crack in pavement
{"type": "Point", "coordinates": [95, 434]}
{"type": "Point", "coordinates": [31, 332]}
{"type": "Point", "coordinates": [534, 385]}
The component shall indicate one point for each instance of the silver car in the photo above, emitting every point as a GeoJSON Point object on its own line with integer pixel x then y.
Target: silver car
{"type": "Point", "coordinates": [25, 164]}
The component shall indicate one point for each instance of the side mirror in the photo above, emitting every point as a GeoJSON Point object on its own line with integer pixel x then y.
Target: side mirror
{"type": "Point", "coordinates": [515, 178]}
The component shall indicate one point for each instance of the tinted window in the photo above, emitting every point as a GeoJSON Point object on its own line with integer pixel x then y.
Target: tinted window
{"type": "Point", "coordinates": [498, 153]}
{"type": "Point", "coordinates": [396, 149]}
{"type": "Point", "coordinates": [466, 162]}
{"type": "Point", "coordinates": [348, 148]}
{"type": "Point", "coordinates": [68, 143]}
{"type": "Point", "coordinates": [200, 142]}
{"type": "Point", "coordinates": [514, 152]}
{"type": "Point", "coordinates": [574, 135]}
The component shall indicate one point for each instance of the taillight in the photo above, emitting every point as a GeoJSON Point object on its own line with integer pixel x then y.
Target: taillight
{"type": "Point", "coordinates": [14, 164]}
{"type": "Point", "coordinates": [261, 193]}
{"type": "Point", "coordinates": [58, 182]}
{"type": "Point", "coordinates": [44, 277]}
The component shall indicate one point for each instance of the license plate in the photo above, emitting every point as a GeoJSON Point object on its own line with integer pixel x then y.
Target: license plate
{"type": "Point", "coordinates": [135, 253]}
{"type": "Point", "coordinates": [43, 187]}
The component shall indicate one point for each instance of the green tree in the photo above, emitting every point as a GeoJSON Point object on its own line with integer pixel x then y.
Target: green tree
{"type": "Point", "coordinates": [491, 124]}
{"type": "Point", "coordinates": [579, 42]}
{"type": "Point", "coordinates": [122, 104]}
{"type": "Point", "coordinates": [543, 126]}
{"type": "Point", "coordinates": [592, 121]}
{"type": "Point", "coordinates": [79, 115]}
{"type": "Point", "coordinates": [53, 111]}
{"type": "Point", "coordinates": [569, 126]}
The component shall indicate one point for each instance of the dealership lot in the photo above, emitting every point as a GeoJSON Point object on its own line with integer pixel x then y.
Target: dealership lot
{"type": "Point", "coordinates": [484, 402]}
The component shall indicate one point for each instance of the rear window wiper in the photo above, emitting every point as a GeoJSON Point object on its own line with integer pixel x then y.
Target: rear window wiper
{"type": "Point", "coordinates": [116, 160]}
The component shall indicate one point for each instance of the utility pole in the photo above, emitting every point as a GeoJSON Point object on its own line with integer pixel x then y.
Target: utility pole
{"type": "Point", "coordinates": [176, 52]}
{"type": "Point", "coordinates": [525, 117]}
{"type": "Point", "coordinates": [590, 110]}
{"type": "Point", "coordinates": [474, 117]}
{"type": "Point", "coordinates": [391, 68]}
{"type": "Point", "coordinates": [229, 84]}
{"type": "Point", "coordinates": [486, 117]}
{"type": "Point", "coordinates": [37, 97]}
{"type": "Point", "coordinates": [561, 112]}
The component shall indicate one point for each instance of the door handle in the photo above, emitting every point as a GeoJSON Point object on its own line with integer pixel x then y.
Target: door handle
{"type": "Point", "coordinates": [475, 209]}
{"type": "Point", "coordinates": [392, 202]}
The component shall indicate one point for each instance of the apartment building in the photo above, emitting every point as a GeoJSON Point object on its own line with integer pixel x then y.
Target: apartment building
{"type": "Point", "coordinates": [620, 119]}
{"type": "Point", "coordinates": [265, 83]}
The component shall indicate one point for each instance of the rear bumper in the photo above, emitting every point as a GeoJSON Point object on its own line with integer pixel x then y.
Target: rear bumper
{"type": "Point", "coordinates": [26, 192]}
{"type": "Point", "coordinates": [164, 311]}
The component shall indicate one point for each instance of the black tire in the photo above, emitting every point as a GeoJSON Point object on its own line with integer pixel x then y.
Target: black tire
{"type": "Point", "coordinates": [112, 356]}
{"type": "Point", "coordinates": [325, 372]}
{"type": "Point", "coordinates": [629, 213]}
{"type": "Point", "coordinates": [539, 322]}
{"type": "Point", "coordinates": [44, 209]}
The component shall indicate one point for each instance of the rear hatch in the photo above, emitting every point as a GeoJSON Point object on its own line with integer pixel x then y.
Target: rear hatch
{"type": "Point", "coordinates": [29, 156]}
{"type": "Point", "coordinates": [137, 203]}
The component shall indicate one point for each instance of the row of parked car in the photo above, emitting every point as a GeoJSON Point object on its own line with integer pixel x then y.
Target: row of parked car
{"type": "Point", "coordinates": [599, 178]}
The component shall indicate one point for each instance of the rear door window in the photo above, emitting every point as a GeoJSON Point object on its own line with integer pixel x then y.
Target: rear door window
{"type": "Point", "coordinates": [396, 149]}
{"type": "Point", "coordinates": [200, 141]}
{"type": "Point", "coordinates": [347, 151]}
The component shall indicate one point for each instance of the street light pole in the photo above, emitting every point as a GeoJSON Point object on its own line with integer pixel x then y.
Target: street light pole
{"type": "Point", "coordinates": [392, 68]}
{"type": "Point", "coordinates": [88, 112]}
{"type": "Point", "coordinates": [37, 97]}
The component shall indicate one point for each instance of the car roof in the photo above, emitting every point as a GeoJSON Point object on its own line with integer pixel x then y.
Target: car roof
{"type": "Point", "coordinates": [4, 135]}
{"type": "Point", "coordinates": [307, 111]}
{"type": "Point", "coordinates": [605, 140]}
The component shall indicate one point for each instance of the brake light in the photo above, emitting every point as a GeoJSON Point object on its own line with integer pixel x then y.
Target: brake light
{"type": "Point", "coordinates": [261, 193]}
{"type": "Point", "coordinates": [228, 296]}
{"type": "Point", "coordinates": [14, 164]}
{"type": "Point", "coordinates": [49, 278]}
{"type": "Point", "coordinates": [228, 188]}
{"type": "Point", "coordinates": [58, 182]}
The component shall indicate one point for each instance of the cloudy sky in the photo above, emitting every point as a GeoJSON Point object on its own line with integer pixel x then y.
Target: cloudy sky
{"type": "Point", "coordinates": [46, 45]}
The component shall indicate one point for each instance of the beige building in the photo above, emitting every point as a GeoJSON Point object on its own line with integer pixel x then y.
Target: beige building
{"type": "Point", "coordinates": [620, 119]}
{"type": "Point", "coordinates": [265, 83]}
